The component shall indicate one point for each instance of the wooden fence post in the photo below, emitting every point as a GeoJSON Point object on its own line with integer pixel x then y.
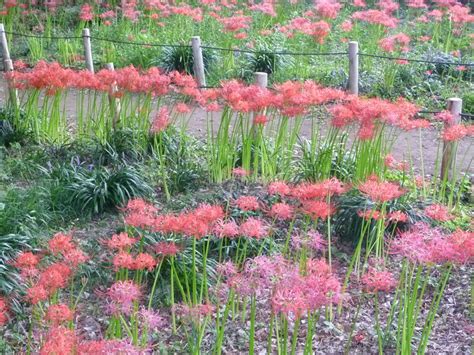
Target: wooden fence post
{"type": "Point", "coordinates": [353, 83]}
{"type": "Point", "coordinates": [86, 39]}
{"type": "Point", "coordinates": [198, 61]}
{"type": "Point", "coordinates": [8, 66]}
{"type": "Point", "coordinates": [455, 108]}
{"type": "Point", "coordinates": [114, 101]}
{"type": "Point", "coordinates": [261, 79]}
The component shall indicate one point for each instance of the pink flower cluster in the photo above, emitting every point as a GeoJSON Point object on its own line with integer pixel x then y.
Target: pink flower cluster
{"type": "Point", "coordinates": [426, 245]}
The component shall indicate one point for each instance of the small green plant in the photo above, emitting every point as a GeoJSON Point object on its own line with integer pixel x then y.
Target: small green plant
{"type": "Point", "coordinates": [468, 103]}
{"type": "Point", "coordinates": [265, 60]}
{"type": "Point", "coordinates": [92, 191]}
{"type": "Point", "coordinates": [10, 246]}
{"type": "Point", "coordinates": [9, 132]}
{"type": "Point", "coordinates": [181, 59]}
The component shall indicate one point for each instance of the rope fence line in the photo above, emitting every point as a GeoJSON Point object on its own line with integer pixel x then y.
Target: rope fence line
{"type": "Point", "coordinates": [238, 50]}
{"type": "Point", "coordinates": [465, 116]}
{"type": "Point", "coordinates": [415, 60]}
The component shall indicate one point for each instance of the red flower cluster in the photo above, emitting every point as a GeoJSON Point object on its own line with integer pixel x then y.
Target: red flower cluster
{"type": "Point", "coordinates": [381, 191]}
{"type": "Point", "coordinates": [423, 244]}
{"type": "Point", "coordinates": [366, 113]}
{"type": "Point", "coordinates": [3, 312]}
{"type": "Point", "coordinates": [46, 280]}
{"type": "Point", "coordinates": [51, 77]}
{"type": "Point", "coordinates": [375, 280]}
{"type": "Point", "coordinates": [59, 313]}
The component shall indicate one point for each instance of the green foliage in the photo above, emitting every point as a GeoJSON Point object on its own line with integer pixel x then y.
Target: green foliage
{"type": "Point", "coordinates": [24, 211]}
{"type": "Point", "coordinates": [348, 223]}
{"type": "Point", "coordinates": [90, 190]}
{"type": "Point", "coordinates": [183, 161]}
{"type": "Point", "coordinates": [10, 246]}
{"type": "Point", "coordinates": [9, 134]}
{"type": "Point", "coordinates": [324, 162]}
{"type": "Point", "coordinates": [181, 59]}
{"type": "Point", "coordinates": [468, 103]}
{"type": "Point", "coordinates": [264, 60]}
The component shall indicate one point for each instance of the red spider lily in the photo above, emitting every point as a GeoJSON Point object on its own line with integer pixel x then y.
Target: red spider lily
{"type": "Point", "coordinates": [61, 243]}
{"type": "Point", "coordinates": [181, 107]}
{"type": "Point", "coordinates": [247, 203]}
{"type": "Point", "coordinates": [75, 257]}
{"type": "Point", "coordinates": [150, 319]}
{"type": "Point", "coordinates": [328, 8]}
{"type": "Point", "coordinates": [266, 7]}
{"type": "Point", "coordinates": [86, 13]}
{"type": "Point", "coordinates": [282, 211]}
{"type": "Point", "coordinates": [3, 312]}
{"type": "Point", "coordinates": [456, 132]}
{"type": "Point", "coordinates": [388, 6]}
{"type": "Point", "coordinates": [367, 112]}
{"type": "Point", "coordinates": [54, 277]}
{"type": "Point", "coordinates": [253, 228]}
{"type": "Point", "coordinates": [59, 313]}
{"type": "Point", "coordinates": [209, 213]}
{"type": "Point", "coordinates": [227, 269]}
{"type": "Point", "coordinates": [260, 120]}
{"type": "Point", "coordinates": [426, 245]}
{"type": "Point", "coordinates": [140, 205]}
{"type": "Point", "coordinates": [397, 216]}
{"type": "Point", "coordinates": [36, 294]}
{"type": "Point", "coordinates": [228, 229]}
{"type": "Point", "coordinates": [235, 23]}
{"type": "Point", "coordinates": [112, 346]}
{"type": "Point", "coordinates": [279, 188]}
{"type": "Point", "coordinates": [463, 245]}
{"type": "Point", "coordinates": [144, 261]}
{"type": "Point", "coordinates": [381, 191]}
{"type": "Point", "coordinates": [438, 212]}
{"type": "Point", "coordinates": [195, 312]}
{"type": "Point", "coordinates": [346, 26]}
{"type": "Point", "coordinates": [120, 241]}
{"type": "Point", "coordinates": [318, 209]}
{"type": "Point", "coordinates": [161, 120]}
{"type": "Point", "coordinates": [390, 162]}
{"type": "Point", "coordinates": [460, 14]}
{"type": "Point", "coordinates": [416, 4]}
{"type": "Point", "coordinates": [240, 172]}
{"type": "Point", "coordinates": [140, 220]}
{"type": "Point", "coordinates": [312, 240]}
{"type": "Point", "coordinates": [59, 340]}
{"type": "Point", "coordinates": [370, 214]}
{"type": "Point", "coordinates": [195, 227]}
{"type": "Point", "coordinates": [122, 295]}
{"type": "Point", "coordinates": [310, 292]}
{"type": "Point", "coordinates": [320, 190]}
{"type": "Point", "coordinates": [376, 17]}
{"type": "Point", "coordinates": [123, 260]}
{"type": "Point", "coordinates": [26, 260]}
{"type": "Point", "coordinates": [375, 280]}
{"type": "Point", "coordinates": [167, 248]}
{"type": "Point", "coordinates": [398, 42]}
{"type": "Point", "coordinates": [445, 116]}
{"type": "Point", "coordinates": [245, 98]}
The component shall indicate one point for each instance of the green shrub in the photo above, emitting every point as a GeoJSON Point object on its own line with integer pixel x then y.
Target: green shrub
{"type": "Point", "coordinates": [92, 191]}
{"type": "Point", "coordinates": [9, 134]}
{"type": "Point", "coordinates": [468, 103]}
{"type": "Point", "coordinates": [181, 59]}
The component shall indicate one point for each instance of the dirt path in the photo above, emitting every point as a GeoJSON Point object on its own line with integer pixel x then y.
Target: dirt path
{"type": "Point", "coordinates": [406, 145]}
